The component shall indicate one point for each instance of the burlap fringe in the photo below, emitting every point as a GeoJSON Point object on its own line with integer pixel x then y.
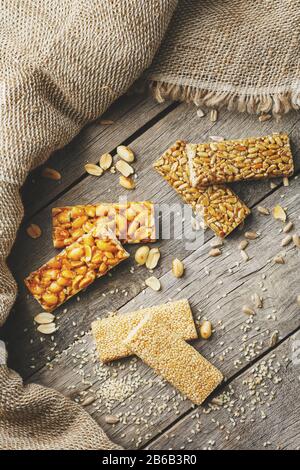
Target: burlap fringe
{"type": "Point", "coordinates": [276, 104]}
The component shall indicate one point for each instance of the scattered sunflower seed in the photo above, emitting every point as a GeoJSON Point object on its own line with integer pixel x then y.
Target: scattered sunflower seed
{"type": "Point", "coordinates": [243, 244]}
{"type": "Point", "coordinates": [257, 300]}
{"type": "Point", "coordinates": [263, 210]}
{"type": "Point", "coordinates": [245, 255]}
{"type": "Point", "coordinates": [213, 115]}
{"type": "Point", "coordinates": [111, 419]}
{"type": "Point", "coordinates": [286, 181]}
{"type": "Point", "coordinates": [51, 174]}
{"type": "Point", "coordinates": [296, 240]}
{"type": "Point", "coordinates": [287, 240]}
{"type": "Point", "coordinates": [251, 235]}
{"type": "Point", "coordinates": [274, 339]}
{"type": "Point", "coordinates": [264, 117]}
{"type": "Point", "coordinates": [288, 227]}
{"type": "Point", "coordinates": [214, 252]}
{"type": "Point", "coordinates": [88, 400]}
{"type": "Point", "coordinates": [216, 242]}
{"type": "Point", "coordinates": [248, 310]}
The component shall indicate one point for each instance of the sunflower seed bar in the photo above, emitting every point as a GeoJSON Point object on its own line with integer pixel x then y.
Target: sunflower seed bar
{"type": "Point", "coordinates": [219, 206]}
{"type": "Point", "coordinates": [110, 333]}
{"type": "Point", "coordinates": [235, 160]}
{"type": "Point", "coordinates": [174, 359]}
{"type": "Point", "coordinates": [131, 222]}
{"type": "Point", "coordinates": [72, 270]}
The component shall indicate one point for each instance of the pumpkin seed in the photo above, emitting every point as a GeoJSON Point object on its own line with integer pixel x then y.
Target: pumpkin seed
{"type": "Point", "coordinates": [153, 283]}
{"type": "Point", "coordinates": [47, 329]}
{"type": "Point", "coordinates": [44, 318]}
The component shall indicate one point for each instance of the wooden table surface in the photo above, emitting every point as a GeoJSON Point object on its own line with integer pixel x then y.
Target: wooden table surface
{"type": "Point", "coordinates": [257, 406]}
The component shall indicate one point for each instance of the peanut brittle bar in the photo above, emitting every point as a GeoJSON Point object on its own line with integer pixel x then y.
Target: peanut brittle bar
{"type": "Point", "coordinates": [72, 270]}
{"type": "Point", "coordinates": [110, 332]}
{"type": "Point", "coordinates": [174, 359]}
{"type": "Point", "coordinates": [131, 222]}
{"type": "Point", "coordinates": [245, 159]}
{"type": "Point", "coordinates": [219, 206]}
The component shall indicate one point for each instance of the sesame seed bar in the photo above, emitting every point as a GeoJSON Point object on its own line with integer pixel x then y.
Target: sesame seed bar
{"type": "Point", "coordinates": [174, 359]}
{"type": "Point", "coordinates": [219, 206]}
{"type": "Point", "coordinates": [132, 222]}
{"type": "Point", "coordinates": [110, 332]}
{"type": "Point", "coordinates": [73, 269]}
{"type": "Point", "coordinates": [245, 159]}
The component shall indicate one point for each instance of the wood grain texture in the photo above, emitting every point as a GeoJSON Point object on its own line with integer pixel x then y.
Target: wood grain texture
{"type": "Point", "coordinates": [269, 418]}
{"type": "Point", "coordinates": [150, 405]}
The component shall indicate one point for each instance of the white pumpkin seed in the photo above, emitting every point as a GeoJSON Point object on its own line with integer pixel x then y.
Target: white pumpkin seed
{"type": "Point", "coordinates": [44, 318]}
{"type": "Point", "coordinates": [47, 329]}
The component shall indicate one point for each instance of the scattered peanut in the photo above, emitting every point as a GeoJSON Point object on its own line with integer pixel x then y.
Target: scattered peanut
{"type": "Point", "coordinates": [141, 254]}
{"type": "Point", "coordinates": [34, 231]}
{"type": "Point", "coordinates": [279, 213]}
{"type": "Point", "coordinates": [177, 267]}
{"type": "Point", "coordinates": [286, 181]}
{"type": "Point", "coordinates": [51, 174]}
{"type": "Point", "coordinates": [127, 183]}
{"type": "Point", "coordinates": [274, 339]}
{"type": "Point", "coordinates": [205, 329]}
{"type": "Point", "coordinates": [105, 161]}
{"type": "Point", "coordinates": [216, 242]}
{"type": "Point", "coordinates": [153, 258]}
{"type": "Point", "coordinates": [264, 117]}
{"type": "Point", "coordinates": [153, 283]}
{"type": "Point", "coordinates": [125, 153]}
{"type": "Point", "coordinates": [124, 168]}
{"type": "Point", "coordinates": [106, 122]}
{"type": "Point", "coordinates": [93, 169]}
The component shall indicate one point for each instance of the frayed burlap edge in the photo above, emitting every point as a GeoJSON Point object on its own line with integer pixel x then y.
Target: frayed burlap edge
{"type": "Point", "coordinates": [258, 102]}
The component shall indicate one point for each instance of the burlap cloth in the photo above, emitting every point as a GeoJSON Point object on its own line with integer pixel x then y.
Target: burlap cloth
{"type": "Point", "coordinates": [62, 63]}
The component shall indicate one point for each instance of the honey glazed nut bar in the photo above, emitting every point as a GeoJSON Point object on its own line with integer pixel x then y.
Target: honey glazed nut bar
{"type": "Point", "coordinates": [131, 222]}
{"type": "Point", "coordinates": [110, 332]}
{"type": "Point", "coordinates": [90, 257]}
{"type": "Point", "coordinates": [235, 160]}
{"type": "Point", "coordinates": [219, 206]}
{"type": "Point", "coordinates": [174, 359]}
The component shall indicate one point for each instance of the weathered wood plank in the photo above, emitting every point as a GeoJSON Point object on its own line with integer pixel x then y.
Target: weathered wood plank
{"type": "Point", "coordinates": [129, 113]}
{"type": "Point", "coordinates": [261, 416]}
{"type": "Point", "coordinates": [29, 254]}
{"type": "Point", "coordinates": [217, 289]}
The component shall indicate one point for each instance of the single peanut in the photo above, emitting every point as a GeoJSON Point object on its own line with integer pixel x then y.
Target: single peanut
{"type": "Point", "coordinates": [105, 161]}
{"type": "Point", "coordinates": [177, 267]}
{"type": "Point", "coordinates": [125, 153]}
{"type": "Point", "coordinates": [127, 183]}
{"type": "Point", "coordinates": [206, 329]}
{"type": "Point", "coordinates": [51, 174]}
{"type": "Point", "coordinates": [141, 254]}
{"type": "Point", "coordinates": [34, 231]}
{"type": "Point", "coordinates": [124, 168]}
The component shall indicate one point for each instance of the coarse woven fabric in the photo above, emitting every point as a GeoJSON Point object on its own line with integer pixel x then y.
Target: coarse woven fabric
{"type": "Point", "coordinates": [62, 63]}
{"type": "Point", "coordinates": [239, 54]}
